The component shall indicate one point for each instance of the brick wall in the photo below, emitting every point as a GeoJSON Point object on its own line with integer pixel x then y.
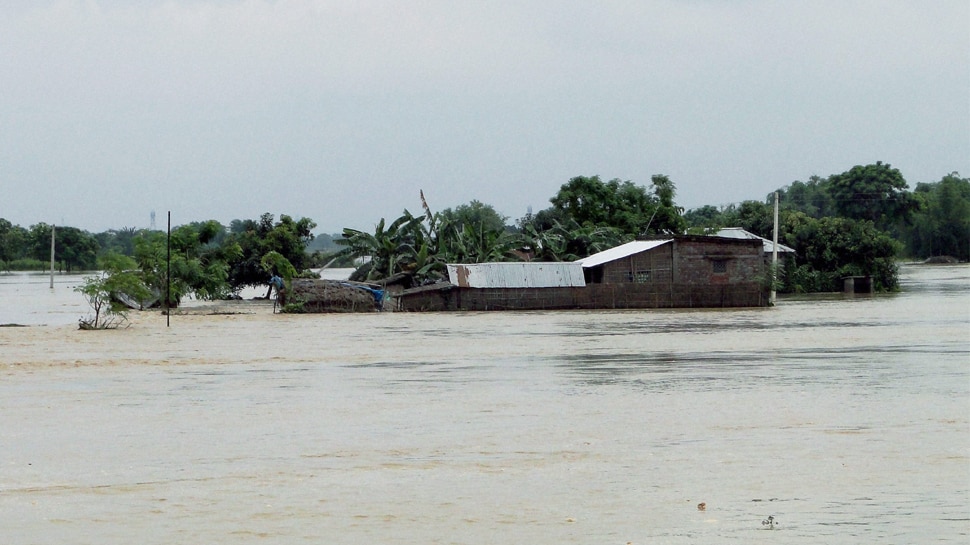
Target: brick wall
{"type": "Point", "coordinates": [594, 296]}
{"type": "Point", "coordinates": [698, 258]}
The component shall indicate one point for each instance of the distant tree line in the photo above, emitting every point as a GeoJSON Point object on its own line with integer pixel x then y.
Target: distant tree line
{"type": "Point", "coordinates": [30, 249]}
{"type": "Point", "coordinates": [859, 222]}
{"type": "Point", "coordinates": [208, 259]}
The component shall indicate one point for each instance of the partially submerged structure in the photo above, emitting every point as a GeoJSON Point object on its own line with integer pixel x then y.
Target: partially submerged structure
{"type": "Point", "coordinates": [316, 295]}
{"type": "Point", "coordinates": [675, 272]}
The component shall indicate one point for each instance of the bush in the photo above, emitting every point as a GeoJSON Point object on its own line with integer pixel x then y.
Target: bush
{"type": "Point", "coordinates": [830, 249]}
{"type": "Point", "coordinates": [117, 277]}
{"type": "Point", "coordinates": [28, 264]}
{"type": "Point", "coordinates": [296, 307]}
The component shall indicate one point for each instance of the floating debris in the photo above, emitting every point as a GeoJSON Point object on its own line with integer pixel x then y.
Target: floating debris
{"type": "Point", "coordinates": [701, 506]}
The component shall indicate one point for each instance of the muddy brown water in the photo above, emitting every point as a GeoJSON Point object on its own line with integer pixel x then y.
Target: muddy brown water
{"type": "Point", "coordinates": [846, 419]}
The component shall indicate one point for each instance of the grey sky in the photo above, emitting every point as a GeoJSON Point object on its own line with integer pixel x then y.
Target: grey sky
{"type": "Point", "coordinates": [343, 110]}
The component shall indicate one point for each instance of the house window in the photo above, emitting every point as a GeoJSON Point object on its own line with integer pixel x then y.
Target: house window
{"type": "Point", "coordinates": [641, 277]}
{"type": "Point", "coordinates": [719, 265]}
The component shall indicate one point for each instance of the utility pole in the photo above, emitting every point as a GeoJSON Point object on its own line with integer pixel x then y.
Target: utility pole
{"type": "Point", "coordinates": [168, 273]}
{"type": "Point", "coordinates": [52, 257]}
{"type": "Point", "coordinates": [774, 255]}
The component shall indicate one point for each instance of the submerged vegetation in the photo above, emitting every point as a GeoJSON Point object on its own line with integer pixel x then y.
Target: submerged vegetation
{"type": "Point", "coordinates": [105, 291]}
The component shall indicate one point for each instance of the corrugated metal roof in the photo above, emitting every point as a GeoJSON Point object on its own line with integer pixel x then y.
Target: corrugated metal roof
{"type": "Point", "coordinates": [737, 232]}
{"type": "Point", "coordinates": [528, 274]}
{"type": "Point", "coordinates": [619, 252]}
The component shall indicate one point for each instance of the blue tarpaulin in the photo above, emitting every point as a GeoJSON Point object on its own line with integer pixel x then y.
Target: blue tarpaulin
{"type": "Point", "coordinates": [378, 294]}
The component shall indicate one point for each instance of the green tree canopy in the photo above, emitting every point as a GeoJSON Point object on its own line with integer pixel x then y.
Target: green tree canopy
{"type": "Point", "coordinates": [402, 246]}
{"type": "Point", "coordinates": [753, 216]}
{"type": "Point", "coordinates": [942, 226]}
{"type": "Point", "coordinates": [76, 249]}
{"type": "Point", "coordinates": [832, 248]}
{"type": "Point", "coordinates": [705, 219]}
{"type": "Point", "coordinates": [813, 198]}
{"type": "Point", "coordinates": [13, 241]}
{"type": "Point", "coordinates": [418, 247]}
{"type": "Point", "coordinates": [667, 217]}
{"type": "Point", "coordinates": [590, 202]}
{"type": "Point", "coordinates": [121, 241]}
{"type": "Point", "coordinates": [478, 215]}
{"type": "Point", "coordinates": [118, 277]}
{"type": "Point", "coordinates": [877, 193]}
{"type": "Point", "coordinates": [622, 205]}
{"type": "Point", "coordinates": [199, 266]}
{"type": "Point", "coordinates": [255, 239]}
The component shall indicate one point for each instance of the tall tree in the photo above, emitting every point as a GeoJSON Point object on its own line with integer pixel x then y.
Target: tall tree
{"type": "Point", "coordinates": [199, 266]}
{"type": "Point", "coordinates": [13, 241]}
{"type": "Point", "coordinates": [74, 248]}
{"type": "Point", "coordinates": [756, 217]}
{"type": "Point", "coordinates": [121, 241]}
{"type": "Point", "coordinates": [704, 219]}
{"type": "Point", "coordinates": [667, 217]}
{"type": "Point", "coordinates": [587, 200]}
{"type": "Point", "coordinates": [288, 237]}
{"type": "Point", "coordinates": [622, 205]}
{"type": "Point", "coordinates": [478, 215]}
{"type": "Point", "coordinates": [877, 193]}
{"type": "Point", "coordinates": [942, 225]}
{"type": "Point", "coordinates": [812, 198]}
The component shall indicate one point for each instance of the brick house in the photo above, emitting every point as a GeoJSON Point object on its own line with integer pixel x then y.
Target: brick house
{"type": "Point", "coordinates": [677, 272]}
{"type": "Point", "coordinates": [682, 271]}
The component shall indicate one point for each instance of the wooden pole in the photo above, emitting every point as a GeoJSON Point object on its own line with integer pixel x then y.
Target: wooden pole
{"type": "Point", "coordinates": [774, 255]}
{"type": "Point", "coordinates": [168, 273]}
{"type": "Point", "coordinates": [52, 257]}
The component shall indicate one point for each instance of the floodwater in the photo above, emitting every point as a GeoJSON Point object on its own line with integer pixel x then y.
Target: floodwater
{"type": "Point", "coordinates": [846, 419]}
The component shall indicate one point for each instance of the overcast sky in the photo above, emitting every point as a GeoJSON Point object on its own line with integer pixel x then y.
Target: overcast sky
{"type": "Point", "coordinates": [342, 111]}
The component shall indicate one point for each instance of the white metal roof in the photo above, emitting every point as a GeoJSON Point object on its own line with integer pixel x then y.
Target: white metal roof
{"type": "Point", "coordinates": [523, 274]}
{"type": "Point", "coordinates": [737, 232]}
{"type": "Point", "coordinates": [619, 252]}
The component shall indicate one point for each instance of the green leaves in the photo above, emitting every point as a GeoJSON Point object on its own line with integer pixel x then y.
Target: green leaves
{"type": "Point", "coordinates": [118, 279]}
{"type": "Point", "coordinates": [872, 192]}
{"type": "Point", "coordinates": [252, 240]}
{"type": "Point", "coordinates": [621, 205]}
{"type": "Point", "coordinates": [406, 245]}
{"type": "Point", "coordinates": [199, 265]}
{"type": "Point", "coordinates": [831, 248]}
{"type": "Point", "coordinates": [854, 223]}
{"type": "Point", "coordinates": [942, 228]}
{"type": "Point", "coordinates": [274, 261]}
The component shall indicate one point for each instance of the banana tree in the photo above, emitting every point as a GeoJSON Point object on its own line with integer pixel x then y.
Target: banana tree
{"type": "Point", "coordinates": [391, 249]}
